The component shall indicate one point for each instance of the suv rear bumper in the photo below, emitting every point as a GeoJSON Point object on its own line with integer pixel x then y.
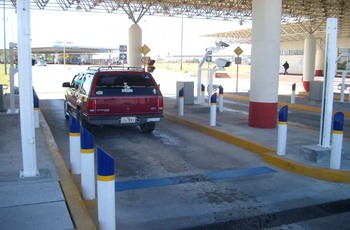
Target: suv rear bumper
{"type": "Point", "coordinates": [117, 120]}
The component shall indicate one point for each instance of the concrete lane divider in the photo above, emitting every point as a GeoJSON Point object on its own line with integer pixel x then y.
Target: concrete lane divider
{"type": "Point", "coordinates": [79, 213]}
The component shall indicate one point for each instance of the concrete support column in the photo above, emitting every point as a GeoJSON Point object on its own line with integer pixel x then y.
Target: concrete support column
{"type": "Point", "coordinates": [309, 61]}
{"type": "Point", "coordinates": [266, 36]}
{"type": "Point", "coordinates": [319, 64]}
{"type": "Point", "coordinates": [26, 91]}
{"type": "Point", "coordinates": [134, 46]}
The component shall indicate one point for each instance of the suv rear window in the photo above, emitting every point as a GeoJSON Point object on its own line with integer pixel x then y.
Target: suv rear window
{"type": "Point", "coordinates": [125, 85]}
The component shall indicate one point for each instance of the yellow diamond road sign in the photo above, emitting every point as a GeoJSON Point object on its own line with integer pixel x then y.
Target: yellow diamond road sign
{"type": "Point", "coordinates": [145, 49]}
{"type": "Point", "coordinates": [238, 51]}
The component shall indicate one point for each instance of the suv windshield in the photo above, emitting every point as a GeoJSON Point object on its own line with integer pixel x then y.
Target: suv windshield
{"type": "Point", "coordinates": [124, 84]}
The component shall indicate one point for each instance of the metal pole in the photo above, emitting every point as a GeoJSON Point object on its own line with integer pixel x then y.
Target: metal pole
{"type": "Point", "coordinates": [13, 71]}
{"type": "Point", "coordinates": [237, 80]}
{"type": "Point", "coordinates": [64, 53]}
{"type": "Point", "coordinates": [26, 91]}
{"type": "Point", "coordinates": [5, 59]}
{"type": "Point", "coordinates": [330, 71]}
{"type": "Point", "coordinates": [182, 38]}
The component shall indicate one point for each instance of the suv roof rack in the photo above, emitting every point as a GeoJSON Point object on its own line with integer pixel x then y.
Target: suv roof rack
{"type": "Point", "coordinates": [115, 67]}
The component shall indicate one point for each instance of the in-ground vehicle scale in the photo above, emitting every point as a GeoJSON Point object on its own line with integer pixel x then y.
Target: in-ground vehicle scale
{"type": "Point", "coordinates": [114, 95]}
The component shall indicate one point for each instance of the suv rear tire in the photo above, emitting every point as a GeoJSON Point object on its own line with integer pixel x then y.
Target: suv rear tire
{"type": "Point", "coordinates": [147, 127]}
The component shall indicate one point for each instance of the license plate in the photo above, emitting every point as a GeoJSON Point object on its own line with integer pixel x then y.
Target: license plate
{"type": "Point", "coordinates": [128, 120]}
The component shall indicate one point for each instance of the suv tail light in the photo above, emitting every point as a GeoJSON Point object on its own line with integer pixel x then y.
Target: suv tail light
{"type": "Point", "coordinates": [160, 103]}
{"type": "Point", "coordinates": [91, 106]}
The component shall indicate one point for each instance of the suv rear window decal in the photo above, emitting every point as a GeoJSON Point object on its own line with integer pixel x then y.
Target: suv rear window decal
{"type": "Point", "coordinates": [124, 84]}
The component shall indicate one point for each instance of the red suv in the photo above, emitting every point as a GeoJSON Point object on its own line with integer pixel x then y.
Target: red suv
{"type": "Point", "coordinates": [114, 95]}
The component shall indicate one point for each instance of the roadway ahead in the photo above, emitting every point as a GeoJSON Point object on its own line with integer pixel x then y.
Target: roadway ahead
{"type": "Point", "coordinates": [189, 179]}
{"type": "Point", "coordinates": [249, 188]}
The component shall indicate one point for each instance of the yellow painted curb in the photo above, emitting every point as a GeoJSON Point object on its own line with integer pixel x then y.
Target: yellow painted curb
{"type": "Point", "coordinates": [235, 140]}
{"type": "Point", "coordinates": [269, 154]}
{"type": "Point", "coordinates": [81, 218]}
{"type": "Point", "coordinates": [306, 170]}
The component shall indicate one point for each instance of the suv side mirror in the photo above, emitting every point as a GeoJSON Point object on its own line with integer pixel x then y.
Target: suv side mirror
{"type": "Point", "coordinates": [66, 84]}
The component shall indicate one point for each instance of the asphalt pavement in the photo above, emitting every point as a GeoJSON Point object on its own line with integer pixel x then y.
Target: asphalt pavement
{"type": "Point", "coordinates": [53, 201]}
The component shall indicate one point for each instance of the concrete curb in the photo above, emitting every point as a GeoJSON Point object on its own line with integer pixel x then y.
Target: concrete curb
{"type": "Point", "coordinates": [268, 154]}
{"type": "Point", "coordinates": [80, 216]}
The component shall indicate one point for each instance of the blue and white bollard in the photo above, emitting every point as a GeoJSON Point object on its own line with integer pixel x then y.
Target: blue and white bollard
{"type": "Point", "coordinates": [221, 99]}
{"type": "Point", "coordinates": [213, 110]}
{"type": "Point", "coordinates": [282, 130]}
{"type": "Point", "coordinates": [74, 145]}
{"type": "Point", "coordinates": [105, 191]}
{"type": "Point", "coordinates": [337, 140]}
{"type": "Point", "coordinates": [181, 102]}
{"type": "Point", "coordinates": [202, 100]}
{"type": "Point", "coordinates": [292, 98]}
{"type": "Point", "coordinates": [36, 109]}
{"type": "Point", "coordinates": [87, 164]}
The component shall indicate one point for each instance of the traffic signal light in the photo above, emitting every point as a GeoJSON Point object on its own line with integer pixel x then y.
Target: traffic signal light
{"type": "Point", "coordinates": [150, 67]}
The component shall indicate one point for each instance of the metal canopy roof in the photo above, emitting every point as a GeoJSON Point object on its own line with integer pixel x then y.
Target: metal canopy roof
{"type": "Point", "coordinates": [299, 17]}
{"type": "Point", "coordinates": [289, 32]}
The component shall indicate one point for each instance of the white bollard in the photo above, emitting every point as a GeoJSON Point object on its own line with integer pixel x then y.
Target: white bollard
{"type": "Point", "coordinates": [282, 138]}
{"type": "Point", "coordinates": [36, 110]}
{"type": "Point", "coordinates": [74, 145]}
{"type": "Point", "coordinates": [181, 102]}
{"type": "Point", "coordinates": [36, 118]}
{"type": "Point", "coordinates": [202, 94]}
{"type": "Point", "coordinates": [282, 131]}
{"type": "Point", "coordinates": [292, 99]}
{"type": "Point", "coordinates": [337, 140]}
{"type": "Point", "coordinates": [105, 191]}
{"type": "Point", "coordinates": [87, 165]}
{"type": "Point", "coordinates": [221, 99]}
{"type": "Point", "coordinates": [213, 110]}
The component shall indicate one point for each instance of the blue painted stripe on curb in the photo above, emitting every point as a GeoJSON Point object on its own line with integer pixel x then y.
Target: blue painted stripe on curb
{"type": "Point", "coordinates": [210, 176]}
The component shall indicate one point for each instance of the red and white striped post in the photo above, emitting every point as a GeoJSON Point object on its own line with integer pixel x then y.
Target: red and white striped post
{"type": "Point", "coordinates": [221, 99]}
{"type": "Point", "coordinates": [74, 145]}
{"type": "Point", "coordinates": [337, 140]}
{"type": "Point", "coordinates": [181, 102]}
{"type": "Point", "coordinates": [105, 191]}
{"type": "Point", "coordinates": [213, 110]}
{"type": "Point", "coordinates": [292, 98]}
{"type": "Point", "coordinates": [282, 131]}
{"type": "Point", "coordinates": [87, 165]}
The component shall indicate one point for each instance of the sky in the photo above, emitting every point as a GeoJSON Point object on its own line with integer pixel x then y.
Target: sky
{"type": "Point", "coordinates": [162, 34]}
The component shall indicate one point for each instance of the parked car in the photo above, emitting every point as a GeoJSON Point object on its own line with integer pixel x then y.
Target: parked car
{"type": "Point", "coordinates": [41, 63]}
{"type": "Point", "coordinates": [114, 95]}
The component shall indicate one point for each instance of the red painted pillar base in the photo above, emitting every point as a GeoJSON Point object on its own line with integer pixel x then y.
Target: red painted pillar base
{"type": "Point", "coordinates": [262, 115]}
{"type": "Point", "coordinates": [319, 73]}
{"type": "Point", "coordinates": [306, 85]}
